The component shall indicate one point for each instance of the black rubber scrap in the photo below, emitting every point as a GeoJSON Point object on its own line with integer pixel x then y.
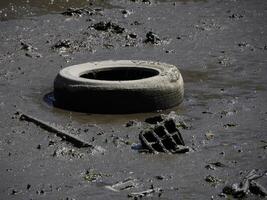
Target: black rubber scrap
{"type": "Point", "coordinates": [163, 137]}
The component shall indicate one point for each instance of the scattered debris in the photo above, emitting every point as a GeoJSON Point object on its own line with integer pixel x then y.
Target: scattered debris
{"type": "Point", "coordinates": [210, 167]}
{"type": "Point", "coordinates": [62, 44]}
{"type": "Point", "coordinates": [236, 16]}
{"type": "Point", "coordinates": [183, 125]}
{"type": "Point", "coordinates": [155, 119]}
{"type": "Point", "coordinates": [131, 39]}
{"type": "Point", "coordinates": [123, 185]}
{"type": "Point", "coordinates": [257, 189]}
{"type": "Point", "coordinates": [108, 26]}
{"type": "Point", "coordinates": [240, 190]}
{"type": "Point", "coordinates": [229, 125]}
{"type": "Point", "coordinates": [33, 55]}
{"type": "Point", "coordinates": [27, 47]}
{"type": "Point", "coordinates": [214, 165]}
{"type": "Point", "coordinates": [60, 133]}
{"type": "Point", "coordinates": [92, 176]}
{"type": "Point", "coordinates": [132, 123]}
{"type": "Point", "coordinates": [207, 112]}
{"type": "Point", "coordinates": [209, 135]}
{"type": "Point", "coordinates": [78, 12]}
{"type": "Point", "coordinates": [212, 179]}
{"type": "Point", "coordinates": [152, 38]}
{"type": "Point", "coordinates": [170, 51]}
{"type": "Point", "coordinates": [265, 144]}
{"type": "Point", "coordinates": [116, 140]}
{"type": "Point", "coordinates": [160, 177]}
{"type": "Point", "coordinates": [163, 137]}
{"type": "Point", "coordinates": [65, 151]}
{"type": "Point", "coordinates": [144, 193]}
{"type": "Point", "coordinates": [31, 51]}
{"type": "Point", "coordinates": [218, 164]}
{"type": "Point", "coordinates": [126, 13]}
{"type": "Point", "coordinates": [243, 44]}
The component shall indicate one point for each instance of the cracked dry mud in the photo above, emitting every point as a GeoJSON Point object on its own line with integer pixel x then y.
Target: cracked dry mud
{"type": "Point", "coordinates": [220, 48]}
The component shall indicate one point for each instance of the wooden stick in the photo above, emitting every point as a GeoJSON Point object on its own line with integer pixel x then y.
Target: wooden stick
{"type": "Point", "coordinates": [60, 133]}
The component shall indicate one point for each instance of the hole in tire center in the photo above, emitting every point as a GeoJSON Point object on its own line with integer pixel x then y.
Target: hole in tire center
{"type": "Point", "coordinates": [120, 74]}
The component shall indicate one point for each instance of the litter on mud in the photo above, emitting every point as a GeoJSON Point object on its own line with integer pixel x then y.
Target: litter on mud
{"type": "Point", "coordinates": [248, 184]}
{"type": "Point", "coordinates": [120, 86]}
{"type": "Point", "coordinates": [51, 128]}
{"type": "Point", "coordinates": [163, 137]}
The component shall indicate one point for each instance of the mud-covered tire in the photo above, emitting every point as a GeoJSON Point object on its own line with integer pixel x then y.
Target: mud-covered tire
{"type": "Point", "coordinates": [160, 88]}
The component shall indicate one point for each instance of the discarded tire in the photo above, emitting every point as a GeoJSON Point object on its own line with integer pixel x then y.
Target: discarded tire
{"type": "Point", "coordinates": [121, 86]}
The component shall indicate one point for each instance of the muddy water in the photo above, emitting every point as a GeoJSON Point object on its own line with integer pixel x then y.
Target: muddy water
{"type": "Point", "coordinates": [220, 48]}
{"type": "Point", "coordinates": [10, 9]}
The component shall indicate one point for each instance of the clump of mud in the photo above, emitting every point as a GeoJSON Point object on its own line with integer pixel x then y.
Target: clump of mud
{"type": "Point", "coordinates": [108, 26]}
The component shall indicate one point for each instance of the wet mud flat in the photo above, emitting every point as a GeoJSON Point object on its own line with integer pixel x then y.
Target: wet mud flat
{"type": "Point", "coordinates": [220, 48]}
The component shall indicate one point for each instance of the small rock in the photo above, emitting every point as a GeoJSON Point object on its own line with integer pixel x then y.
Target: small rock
{"type": "Point", "coordinates": [209, 135]}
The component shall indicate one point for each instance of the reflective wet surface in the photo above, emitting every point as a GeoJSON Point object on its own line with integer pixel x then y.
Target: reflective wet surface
{"type": "Point", "coordinates": [11, 9]}
{"type": "Point", "coordinates": [219, 47]}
